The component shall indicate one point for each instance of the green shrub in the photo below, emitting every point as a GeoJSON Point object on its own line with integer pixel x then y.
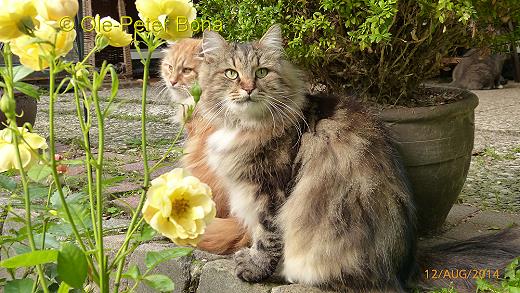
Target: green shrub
{"type": "Point", "coordinates": [383, 49]}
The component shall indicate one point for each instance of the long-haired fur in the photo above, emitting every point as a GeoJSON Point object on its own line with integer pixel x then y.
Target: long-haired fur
{"type": "Point", "coordinates": [315, 179]}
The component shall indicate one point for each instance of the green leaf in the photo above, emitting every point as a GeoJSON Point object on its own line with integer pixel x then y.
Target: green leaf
{"type": "Point", "coordinates": [7, 182]}
{"type": "Point", "coordinates": [64, 288]}
{"type": "Point", "coordinates": [160, 283]}
{"type": "Point", "coordinates": [38, 190]}
{"type": "Point", "coordinates": [147, 233]}
{"type": "Point", "coordinates": [115, 82]}
{"type": "Point", "coordinates": [133, 273]}
{"type": "Point", "coordinates": [72, 265]}
{"type": "Point", "coordinates": [72, 162]}
{"type": "Point", "coordinates": [30, 259]}
{"type": "Point", "coordinates": [113, 180]}
{"type": "Point", "coordinates": [27, 89]}
{"type": "Point", "coordinates": [18, 286]}
{"type": "Point", "coordinates": [153, 258]}
{"type": "Point", "coordinates": [39, 172]}
{"type": "Point", "coordinates": [21, 72]}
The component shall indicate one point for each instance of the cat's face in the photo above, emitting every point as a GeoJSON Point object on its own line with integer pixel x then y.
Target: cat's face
{"type": "Point", "coordinates": [179, 69]}
{"type": "Point", "coordinates": [249, 83]}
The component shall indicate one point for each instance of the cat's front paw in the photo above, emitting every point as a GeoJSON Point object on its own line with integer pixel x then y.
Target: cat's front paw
{"type": "Point", "coordinates": [251, 266]}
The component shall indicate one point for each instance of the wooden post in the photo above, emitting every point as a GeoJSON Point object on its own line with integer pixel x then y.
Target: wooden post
{"type": "Point", "coordinates": [514, 54]}
{"type": "Point", "coordinates": [127, 58]}
{"type": "Point", "coordinates": [89, 36]}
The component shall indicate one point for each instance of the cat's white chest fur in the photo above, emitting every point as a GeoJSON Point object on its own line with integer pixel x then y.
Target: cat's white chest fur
{"type": "Point", "coordinates": [223, 158]}
{"type": "Point", "coordinates": [222, 139]}
{"type": "Point", "coordinates": [219, 145]}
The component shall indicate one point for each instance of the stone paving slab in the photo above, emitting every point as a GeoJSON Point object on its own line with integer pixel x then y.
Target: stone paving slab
{"type": "Point", "coordinates": [180, 266]}
{"type": "Point", "coordinates": [126, 204]}
{"type": "Point", "coordinates": [496, 219]}
{"type": "Point", "coordinates": [460, 212]}
{"type": "Point", "coordinates": [122, 187]}
{"type": "Point", "coordinates": [219, 277]}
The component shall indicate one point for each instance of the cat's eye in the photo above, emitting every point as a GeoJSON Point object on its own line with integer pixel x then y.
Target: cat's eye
{"type": "Point", "coordinates": [170, 67]}
{"type": "Point", "coordinates": [261, 72]}
{"type": "Point", "coordinates": [187, 70]}
{"type": "Point", "coordinates": [231, 74]}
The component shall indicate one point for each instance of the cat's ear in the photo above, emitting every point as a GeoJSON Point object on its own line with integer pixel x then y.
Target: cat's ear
{"type": "Point", "coordinates": [273, 38]}
{"type": "Point", "coordinates": [211, 42]}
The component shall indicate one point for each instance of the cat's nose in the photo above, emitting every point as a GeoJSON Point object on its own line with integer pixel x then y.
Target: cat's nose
{"type": "Point", "coordinates": [248, 87]}
{"type": "Point", "coordinates": [173, 82]}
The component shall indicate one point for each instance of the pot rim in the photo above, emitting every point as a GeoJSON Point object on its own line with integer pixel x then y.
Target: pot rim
{"type": "Point", "coordinates": [467, 104]}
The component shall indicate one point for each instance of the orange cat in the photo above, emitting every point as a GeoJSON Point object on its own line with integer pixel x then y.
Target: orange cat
{"type": "Point", "coordinates": [179, 70]}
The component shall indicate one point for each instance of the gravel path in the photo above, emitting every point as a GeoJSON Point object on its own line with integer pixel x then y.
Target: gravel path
{"type": "Point", "coordinates": [494, 176]}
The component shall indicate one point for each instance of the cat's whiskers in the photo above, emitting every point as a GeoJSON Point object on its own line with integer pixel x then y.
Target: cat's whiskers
{"type": "Point", "coordinates": [291, 111]}
{"type": "Point", "coordinates": [294, 122]}
{"type": "Point", "coordinates": [268, 105]}
{"type": "Point", "coordinates": [214, 111]}
{"type": "Point", "coordinates": [297, 110]}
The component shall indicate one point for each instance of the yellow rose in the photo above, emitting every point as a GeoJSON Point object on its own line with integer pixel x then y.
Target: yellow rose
{"type": "Point", "coordinates": [179, 206]}
{"type": "Point", "coordinates": [33, 53]}
{"type": "Point", "coordinates": [113, 31]}
{"type": "Point", "coordinates": [28, 145]}
{"type": "Point", "coordinates": [16, 18]}
{"type": "Point", "coordinates": [175, 16]}
{"type": "Point", "coordinates": [56, 9]}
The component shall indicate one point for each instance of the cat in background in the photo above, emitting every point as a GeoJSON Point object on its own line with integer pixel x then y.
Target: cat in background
{"type": "Point", "coordinates": [315, 179]}
{"type": "Point", "coordinates": [478, 70]}
{"type": "Point", "coordinates": [179, 70]}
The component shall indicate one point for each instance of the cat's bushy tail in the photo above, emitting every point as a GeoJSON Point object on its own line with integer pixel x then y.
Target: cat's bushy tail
{"type": "Point", "coordinates": [224, 236]}
{"type": "Point", "coordinates": [460, 263]}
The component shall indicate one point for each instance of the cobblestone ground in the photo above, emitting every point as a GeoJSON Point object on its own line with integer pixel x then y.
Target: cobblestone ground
{"type": "Point", "coordinates": [123, 125]}
{"type": "Point", "coordinates": [494, 176]}
{"type": "Point", "coordinates": [493, 181]}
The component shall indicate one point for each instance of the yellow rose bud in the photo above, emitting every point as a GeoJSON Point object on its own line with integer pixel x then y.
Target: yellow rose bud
{"type": "Point", "coordinates": [34, 53]}
{"type": "Point", "coordinates": [113, 31]}
{"type": "Point", "coordinates": [17, 17]}
{"type": "Point", "coordinates": [28, 144]}
{"type": "Point", "coordinates": [8, 107]}
{"type": "Point", "coordinates": [174, 16]}
{"type": "Point", "coordinates": [179, 206]}
{"type": "Point", "coordinates": [57, 9]}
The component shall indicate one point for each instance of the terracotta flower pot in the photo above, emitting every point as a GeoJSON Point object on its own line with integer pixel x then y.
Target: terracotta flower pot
{"type": "Point", "coordinates": [435, 144]}
{"type": "Point", "coordinates": [26, 105]}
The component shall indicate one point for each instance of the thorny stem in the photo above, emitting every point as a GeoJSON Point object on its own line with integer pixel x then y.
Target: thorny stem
{"type": "Point", "coordinates": [103, 276]}
{"type": "Point", "coordinates": [27, 198]}
{"type": "Point", "coordinates": [52, 151]}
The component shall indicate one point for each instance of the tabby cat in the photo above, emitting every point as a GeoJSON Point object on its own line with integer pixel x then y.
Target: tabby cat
{"type": "Point", "coordinates": [315, 179]}
{"type": "Point", "coordinates": [477, 71]}
{"type": "Point", "coordinates": [179, 70]}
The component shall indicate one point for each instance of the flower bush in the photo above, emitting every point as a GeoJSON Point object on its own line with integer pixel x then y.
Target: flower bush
{"type": "Point", "coordinates": [381, 49]}
{"type": "Point", "coordinates": [62, 246]}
